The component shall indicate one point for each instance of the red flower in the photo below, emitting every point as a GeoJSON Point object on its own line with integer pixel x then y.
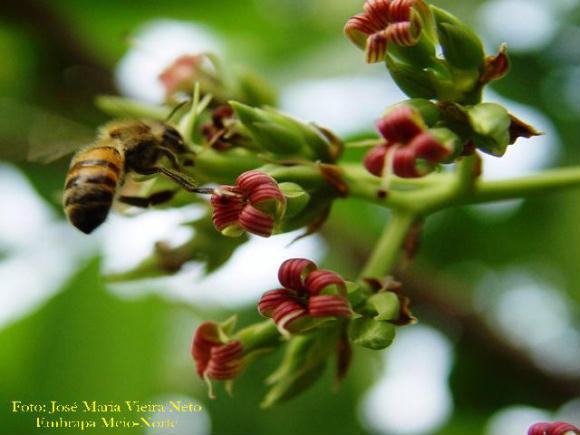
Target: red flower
{"type": "Point", "coordinates": [308, 293]}
{"type": "Point", "coordinates": [407, 140]}
{"type": "Point", "coordinates": [385, 22]}
{"type": "Point", "coordinates": [557, 428]}
{"type": "Point", "coordinates": [215, 359]}
{"type": "Point", "coordinates": [253, 205]}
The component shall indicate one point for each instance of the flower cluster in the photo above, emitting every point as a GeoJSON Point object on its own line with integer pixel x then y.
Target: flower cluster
{"type": "Point", "coordinates": [557, 428]}
{"type": "Point", "coordinates": [308, 293]}
{"type": "Point", "coordinates": [214, 358]}
{"type": "Point", "coordinates": [409, 149]}
{"type": "Point", "coordinates": [385, 22]}
{"type": "Point", "coordinates": [255, 204]}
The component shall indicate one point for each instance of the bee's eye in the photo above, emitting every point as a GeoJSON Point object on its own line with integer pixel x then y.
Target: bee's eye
{"type": "Point", "coordinates": [172, 138]}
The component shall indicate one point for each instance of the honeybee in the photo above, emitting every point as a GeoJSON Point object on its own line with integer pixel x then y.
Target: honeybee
{"type": "Point", "coordinates": [96, 172]}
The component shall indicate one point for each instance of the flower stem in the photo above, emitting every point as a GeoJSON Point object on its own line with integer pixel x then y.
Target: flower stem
{"type": "Point", "coordinates": [488, 191]}
{"type": "Point", "coordinates": [386, 253]}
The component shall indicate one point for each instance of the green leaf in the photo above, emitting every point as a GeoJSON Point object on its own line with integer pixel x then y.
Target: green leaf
{"type": "Point", "coordinates": [370, 333]}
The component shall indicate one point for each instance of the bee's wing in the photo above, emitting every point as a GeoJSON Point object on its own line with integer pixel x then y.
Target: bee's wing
{"type": "Point", "coordinates": [30, 133]}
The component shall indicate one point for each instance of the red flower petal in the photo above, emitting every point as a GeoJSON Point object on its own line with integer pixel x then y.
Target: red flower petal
{"type": "Point", "coordinates": [328, 306]}
{"type": "Point", "coordinates": [375, 160]}
{"type": "Point", "coordinates": [399, 125]}
{"type": "Point", "coordinates": [293, 272]}
{"type": "Point", "coordinates": [249, 180]}
{"type": "Point", "coordinates": [256, 222]}
{"type": "Point", "coordinates": [272, 299]}
{"type": "Point", "coordinates": [320, 279]}
{"type": "Point", "coordinates": [287, 313]}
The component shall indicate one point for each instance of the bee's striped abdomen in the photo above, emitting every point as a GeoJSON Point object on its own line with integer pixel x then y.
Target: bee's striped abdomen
{"type": "Point", "coordinates": [91, 184]}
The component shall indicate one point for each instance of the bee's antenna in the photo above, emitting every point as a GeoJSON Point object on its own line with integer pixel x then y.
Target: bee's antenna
{"type": "Point", "coordinates": [176, 109]}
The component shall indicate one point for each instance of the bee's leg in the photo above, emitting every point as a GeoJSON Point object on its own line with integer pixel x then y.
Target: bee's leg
{"type": "Point", "coordinates": [171, 156]}
{"type": "Point", "coordinates": [178, 177]}
{"type": "Point", "coordinates": [147, 201]}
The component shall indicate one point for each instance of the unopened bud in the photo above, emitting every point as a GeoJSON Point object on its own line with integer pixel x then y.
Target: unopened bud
{"type": "Point", "coordinates": [491, 124]}
{"type": "Point", "coordinates": [283, 135]}
{"type": "Point", "coordinates": [461, 46]}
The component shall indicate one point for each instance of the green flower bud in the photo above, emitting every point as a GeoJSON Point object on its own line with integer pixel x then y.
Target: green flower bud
{"type": "Point", "coordinates": [371, 333]}
{"type": "Point", "coordinates": [384, 306]}
{"type": "Point", "coordinates": [461, 46]}
{"type": "Point", "coordinates": [491, 126]}
{"type": "Point", "coordinates": [296, 198]}
{"type": "Point", "coordinates": [283, 135]}
{"type": "Point", "coordinates": [414, 82]}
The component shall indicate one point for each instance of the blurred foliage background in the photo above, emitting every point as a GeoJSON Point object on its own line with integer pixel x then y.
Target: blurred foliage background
{"type": "Point", "coordinates": [496, 289]}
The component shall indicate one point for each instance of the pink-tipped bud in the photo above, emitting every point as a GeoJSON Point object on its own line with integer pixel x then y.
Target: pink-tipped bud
{"type": "Point", "coordinates": [328, 306]}
{"type": "Point", "coordinates": [180, 74]}
{"type": "Point", "coordinates": [428, 148]}
{"type": "Point", "coordinates": [287, 314]}
{"type": "Point", "coordinates": [272, 299]}
{"type": "Point", "coordinates": [292, 273]}
{"type": "Point", "coordinates": [401, 125]}
{"type": "Point", "coordinates": [405, 163]}
{"type": "Point", "coordinates": [226, 361]}
{"type": "Point", "coordinates": [324, 280]}
{"type": "Point", "coordinates": [375, 159]}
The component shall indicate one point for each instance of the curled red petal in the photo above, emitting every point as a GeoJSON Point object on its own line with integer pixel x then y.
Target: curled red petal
{"type": "Point", "coordinates": [256, 222]}
{"type": "Point", "coordinates": [399, 125]}
{"type": "Point", "coordinates": [318, 280]}
{"type": "Point", "coordinates": [287, 313]}
{"type": "Point", "coordinates": [378, 12]}
{"type": "Point", "coordinates": [405, 163]}
{"type": "Point", "coordinates": [204, 339]}
{"type": "Point", "coordinates": [293, 272]}
{"type": "Point", "coordinates": [562, 428]}
{"type": "Point", "coordinates": [328, 306]}
{"type": "Point", "coordinates": [266, 192]}
{"type": "Point", "coordinates": [249, 180]}
{"type": "Point", "coordinates": [539, 429]}
{"type": "Point", "coordinates": [376, 47]}
{"type": "Point", "coordinates": [428, 148]}
{"type": "Point", "coordinates": [223, 217]}
{"type": "Point", "coordinates": [226, 361]}
{"type": "Point", "coordinates": [272, 299]}
{"type": "Point", "coordinates": [404, 34]}
{"type": "Point", "coordinates": [400, 10]}
{"type": "Point", "coordinates": [374, 161]}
